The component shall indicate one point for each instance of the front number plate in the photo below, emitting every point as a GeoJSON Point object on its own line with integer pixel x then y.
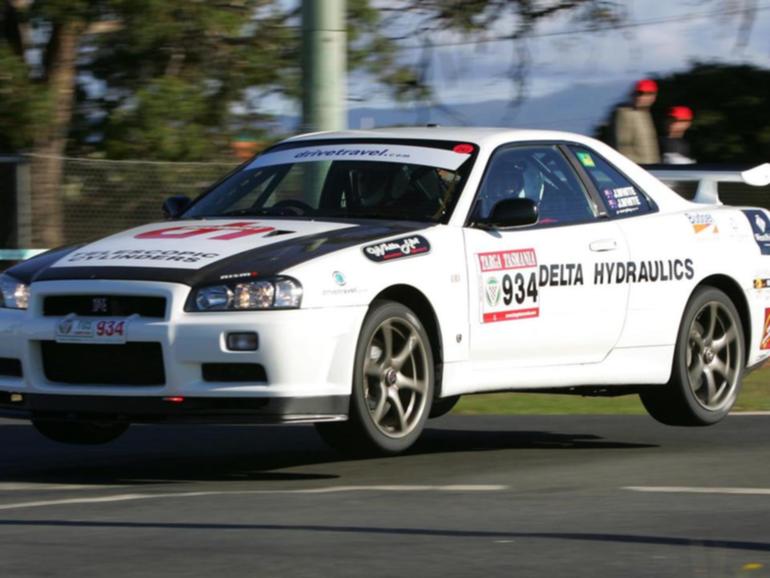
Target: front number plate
{"type": "Point", "coordinates": [91, 330]}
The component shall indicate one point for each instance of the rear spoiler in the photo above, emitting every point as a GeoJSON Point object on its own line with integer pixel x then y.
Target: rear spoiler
{"type": "Point", "coordinates": [708, 178]}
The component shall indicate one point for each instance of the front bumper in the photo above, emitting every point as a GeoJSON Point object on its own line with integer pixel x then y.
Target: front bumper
{"type": "Point", "coordinates": [307, 354]}
{"type": "Point", "coordinates": [134, 409]}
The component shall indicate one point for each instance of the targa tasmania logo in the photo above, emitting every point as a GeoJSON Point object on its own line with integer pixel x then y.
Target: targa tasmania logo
{"type": "Point", "coordinates": [493, 292]}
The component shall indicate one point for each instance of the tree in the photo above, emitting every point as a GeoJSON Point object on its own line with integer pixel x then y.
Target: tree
{"type": "Point", "coordinates": [731, 106]}
{"type": "Point", "coordinates": [128, 75]}
{"type": "Point", "coordinates": [427, 21]}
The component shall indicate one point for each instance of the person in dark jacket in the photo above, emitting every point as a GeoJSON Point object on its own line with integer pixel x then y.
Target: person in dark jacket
{"type": "Point", "coordinates": [676, 150]}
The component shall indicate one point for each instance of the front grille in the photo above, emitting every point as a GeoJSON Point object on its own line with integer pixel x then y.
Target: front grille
{"type": "Point", "coordinates": [10, 367]}
{"type": "Point", "coordinates": [89, 364]}
{"type": "Point", "coordinates": [104, 306]}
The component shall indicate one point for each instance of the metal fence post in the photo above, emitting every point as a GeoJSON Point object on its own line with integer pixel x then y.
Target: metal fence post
{"type": "Point", "coordinates": [23, 204]}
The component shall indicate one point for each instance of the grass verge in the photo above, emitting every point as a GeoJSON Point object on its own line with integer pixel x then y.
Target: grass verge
{"type": "Point", "coordinates": [755, 396]}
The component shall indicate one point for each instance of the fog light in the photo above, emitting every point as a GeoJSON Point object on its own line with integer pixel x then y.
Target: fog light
{"type": "Point", "coordinates": [242, 341]}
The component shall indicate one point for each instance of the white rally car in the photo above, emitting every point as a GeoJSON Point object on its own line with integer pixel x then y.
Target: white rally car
{"type": "Point", "coordinates": [365, 280]}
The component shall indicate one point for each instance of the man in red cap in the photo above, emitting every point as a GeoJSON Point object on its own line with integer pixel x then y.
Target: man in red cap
{"type": "Point", "coordinates": [635, 134]}
{"type": "Point", "coordinates": [676, 150]}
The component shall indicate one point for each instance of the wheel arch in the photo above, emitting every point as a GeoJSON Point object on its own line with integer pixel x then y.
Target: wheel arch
{"type": "Point", "coordinates": [416, 300]}
{"type": "Point", "coordinates": [732, 289]}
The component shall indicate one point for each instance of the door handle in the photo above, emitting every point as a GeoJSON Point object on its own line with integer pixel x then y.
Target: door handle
{"type": "Point", "coordinates": [603, 245]}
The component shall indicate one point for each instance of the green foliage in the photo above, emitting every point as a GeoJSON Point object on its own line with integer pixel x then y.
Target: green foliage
{"type": "Point", "coordinates": [168, 120]}
{"type": "Point", "coordinates": [754, 396]}
{"type": "Point", "coordinates": [176, 70]}
{"type": "Point", "coordinates": [23, 105]}
{"type": "Point", "coordinates": [731, 104]}
{"type": "Point", "coordinates": [177, 79]}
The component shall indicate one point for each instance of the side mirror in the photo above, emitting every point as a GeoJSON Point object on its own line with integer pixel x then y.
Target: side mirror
{"type": "Point", "coordinates": [511, 213]}
{"type": "Point", "coordinates": [175, 206]}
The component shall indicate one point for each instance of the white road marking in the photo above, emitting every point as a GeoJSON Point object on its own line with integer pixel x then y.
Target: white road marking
{"type": "Point", "coordinates": [329, 490]}
{"type": "Point", "coordinates": [696, 490]}
{"type": "Point", "coordinates": [750, 413]}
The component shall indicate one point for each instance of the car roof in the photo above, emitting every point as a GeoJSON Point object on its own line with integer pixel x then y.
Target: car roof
{"type": "Point", "coordinates": [489, 138]}
{"type": "Point", "coordinates": [482, 136]}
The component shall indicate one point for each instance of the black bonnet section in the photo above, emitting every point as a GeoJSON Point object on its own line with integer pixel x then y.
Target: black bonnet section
{"type": "Point", "coordinates": [263, 261]}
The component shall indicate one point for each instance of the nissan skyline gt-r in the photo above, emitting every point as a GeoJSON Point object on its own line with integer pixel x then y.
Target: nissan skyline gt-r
{"type": "Point", "coordinates": [363, 281]}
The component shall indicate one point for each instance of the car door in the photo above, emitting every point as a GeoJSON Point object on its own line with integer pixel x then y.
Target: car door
{"type": "Point", "coordinates": [663, 247]}
{"type": "Point", "coordinates": [542, 294]}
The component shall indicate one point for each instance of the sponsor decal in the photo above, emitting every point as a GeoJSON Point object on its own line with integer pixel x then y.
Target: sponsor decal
{"type": "Point", "coordinates": [759, 226]}
{"type": "Point", "coordinates": [425, 156]}
{"type": "Point", "coordinates": [608, 273]}
{"type": "Point", "coordinates": [225, 232]}
{"type": "Point", "coordinates": [586, 160]}
{"type": "Point", "coordinates": [128, 255]}
{"type": "Point", "coordinates": [342, 291]}
{"type": "Point", "coordinates": [339, 278]}
{"type": "Point", "coordinates": [509, 285]}
{"type": "Point", "coordinates": [765, 343]}
{"type": "Point", "coordinates": [622, 200]}
{"type": "Point", "coordinates": [238, 276]}
{"type": "Point", "coordinates": [702, 222]}
{"type": "Point", "coordinates": [761, 283]}
{"type": "Point", "coordinates": [397, 248]}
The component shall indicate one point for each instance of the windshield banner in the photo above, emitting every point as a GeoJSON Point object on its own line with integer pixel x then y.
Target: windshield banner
{"type": "Point", "coordinates": [410, 155]}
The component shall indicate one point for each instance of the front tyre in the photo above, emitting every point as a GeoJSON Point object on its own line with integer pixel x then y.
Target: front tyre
{"type": "Point", "coordinates": [80, 432]}
{"type": "Point", "coordinates": [708, 364]}
{"type": "Point", "coordinates": [393, 382]}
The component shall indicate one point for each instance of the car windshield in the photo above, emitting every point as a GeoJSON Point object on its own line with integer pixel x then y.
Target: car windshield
{"type": "Point", "coordinates": [357, 180]}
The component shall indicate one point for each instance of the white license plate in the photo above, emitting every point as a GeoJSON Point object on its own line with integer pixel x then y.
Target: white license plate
{"type": "Point", "coordinates": [92, 330]}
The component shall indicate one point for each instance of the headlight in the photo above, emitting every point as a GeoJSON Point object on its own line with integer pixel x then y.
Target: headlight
{"type": "Point", "coordinates": [14, 294]}
{"type": "Point", "coordinates": [280, 293]}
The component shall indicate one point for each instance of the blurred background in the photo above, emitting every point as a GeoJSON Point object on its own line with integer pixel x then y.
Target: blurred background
{"type": "Point", "coordinates": [109, 106]}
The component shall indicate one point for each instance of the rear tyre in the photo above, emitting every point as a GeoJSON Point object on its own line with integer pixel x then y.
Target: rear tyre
{"type": "Point", "coordinates": [393, 381]}
{"type": "Point", "coordinates": [708, 364]}
{"type": "Point", "coordinates": [80, 432]}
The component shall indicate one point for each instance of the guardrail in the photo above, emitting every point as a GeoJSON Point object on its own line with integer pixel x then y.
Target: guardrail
{"type": "Point", "coordinates": [708, 178]}
{"type": "Point", "coordinates": [19, 254]}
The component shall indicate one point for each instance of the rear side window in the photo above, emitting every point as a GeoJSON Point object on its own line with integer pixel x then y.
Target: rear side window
{"type": "Point", "coordinates": [620, 195]}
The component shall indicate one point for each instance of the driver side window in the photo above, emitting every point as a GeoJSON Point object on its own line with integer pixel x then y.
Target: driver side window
{"type": "Point", "coordinates": [541, 174]}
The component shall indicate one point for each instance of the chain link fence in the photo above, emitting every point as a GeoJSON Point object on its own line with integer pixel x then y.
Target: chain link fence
{"type": "Point", "coordinates": [99, 197]}
{"type": "Point", "coordinates": [103, 197]}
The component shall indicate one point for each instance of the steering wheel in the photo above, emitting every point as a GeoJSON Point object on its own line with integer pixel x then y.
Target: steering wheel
{"type": "Point", "coordinates": [292, 207]}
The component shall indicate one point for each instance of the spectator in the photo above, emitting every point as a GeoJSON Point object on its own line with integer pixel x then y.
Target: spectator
{"type": "Point", "coordinates": [676, 150]}
{"type": "Point", "coordinates": [635, 134]}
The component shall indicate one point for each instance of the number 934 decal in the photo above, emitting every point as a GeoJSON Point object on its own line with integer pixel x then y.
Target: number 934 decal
{"type": "Point", "coordinates": [509, 285]}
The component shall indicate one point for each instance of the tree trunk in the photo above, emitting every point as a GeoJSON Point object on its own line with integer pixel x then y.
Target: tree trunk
{"type": "Point", "coordinates": [47, 162]}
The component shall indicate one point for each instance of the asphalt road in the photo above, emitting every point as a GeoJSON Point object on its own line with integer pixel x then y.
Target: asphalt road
{"type": "Point", "coordinates": [479, 496]}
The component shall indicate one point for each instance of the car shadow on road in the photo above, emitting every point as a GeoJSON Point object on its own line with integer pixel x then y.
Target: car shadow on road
{"type": "Point", "coordinates": [172, 454]}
